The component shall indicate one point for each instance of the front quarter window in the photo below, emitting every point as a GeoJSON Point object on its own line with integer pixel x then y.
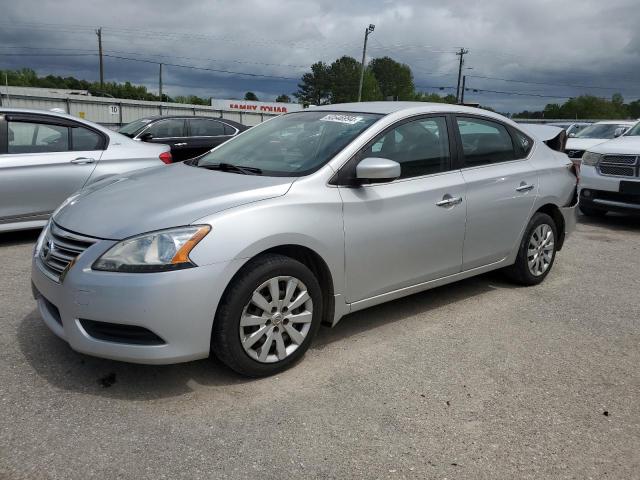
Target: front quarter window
{"type": "Point", "coordinates": [292, 145]}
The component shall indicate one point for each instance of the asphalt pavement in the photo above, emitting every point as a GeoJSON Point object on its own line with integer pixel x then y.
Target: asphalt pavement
{"type": "Point", "coordinates": [480, 379]}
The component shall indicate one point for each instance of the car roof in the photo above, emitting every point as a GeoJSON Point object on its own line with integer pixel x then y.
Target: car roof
{"type": "Point", "coordinates": [409, 108]}
{"type": "Point", "coordinates": [53, 113]}
{"type": "Point", "coordinates": [187, 117]}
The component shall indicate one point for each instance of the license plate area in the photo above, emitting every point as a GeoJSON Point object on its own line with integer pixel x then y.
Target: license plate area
{"type": "Point", "coordinates": [630, 188]}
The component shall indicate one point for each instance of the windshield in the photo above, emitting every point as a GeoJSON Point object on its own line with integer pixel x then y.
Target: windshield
{"type": "Point", "coordinates": [292, 145]}
{"type": "Point", "coordinates": [600, 130]}
{"type": "Point", "coordinates": [635, 130]}
{"type": "Point", "coordinates": [130, 129]}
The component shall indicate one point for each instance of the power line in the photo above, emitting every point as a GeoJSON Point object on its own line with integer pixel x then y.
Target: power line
{"type": "Point", "coordinates": [194, 67]}
{"type": "Point", "coordinates": [547, 84]}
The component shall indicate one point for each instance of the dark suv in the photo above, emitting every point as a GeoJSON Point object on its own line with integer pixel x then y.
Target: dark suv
{"type": "Point", "coordinates": [188, 136]}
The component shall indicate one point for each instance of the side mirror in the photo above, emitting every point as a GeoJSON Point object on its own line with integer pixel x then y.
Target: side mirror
{"type": "Point", "coordinates": [377, 169]}
{"type": "Point", "coordinates": [147, 137]}
{"type": "Point", "coordinates": [618, 132]}
{"type": "Point", "coordinates": [571, 135]}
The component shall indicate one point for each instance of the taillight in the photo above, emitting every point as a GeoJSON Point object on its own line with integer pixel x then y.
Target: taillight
{"type": "Point", "coordinates": [166, 157]}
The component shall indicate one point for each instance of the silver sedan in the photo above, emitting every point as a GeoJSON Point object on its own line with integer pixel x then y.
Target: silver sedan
{"type": "Point", "coordinates": [299, 221]}
{"type": "Point", "coordinates": [46, 156]}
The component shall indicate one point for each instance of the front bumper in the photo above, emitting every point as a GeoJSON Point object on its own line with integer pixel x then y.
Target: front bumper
{"type": "Point", "coordinates": [177, 306]}
{"type": "Point", "coordinates": [603, 192]}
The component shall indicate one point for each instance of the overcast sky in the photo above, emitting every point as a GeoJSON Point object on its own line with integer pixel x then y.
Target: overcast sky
{"type": "Point", "coordinates": [579, 43]}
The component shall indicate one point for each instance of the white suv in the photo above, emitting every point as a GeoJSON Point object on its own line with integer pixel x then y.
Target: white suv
{"type": "Point", "coordinates": [593, 135]}
{"type": "Point", "coordinates": [610, 176]}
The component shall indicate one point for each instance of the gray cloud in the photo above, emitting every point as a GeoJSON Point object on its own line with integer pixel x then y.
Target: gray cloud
{"type": "Point", "coordinates": [584, 42]}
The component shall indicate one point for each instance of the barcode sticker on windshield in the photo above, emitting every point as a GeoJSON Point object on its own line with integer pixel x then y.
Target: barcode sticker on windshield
{"type": "Point", "coordinates": [333, 117]}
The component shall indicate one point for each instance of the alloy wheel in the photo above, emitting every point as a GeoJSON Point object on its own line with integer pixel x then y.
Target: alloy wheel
{"type": "Point", "coordinates": [540, 250]}
{"type": "Point", "coordinates": [276, 320]}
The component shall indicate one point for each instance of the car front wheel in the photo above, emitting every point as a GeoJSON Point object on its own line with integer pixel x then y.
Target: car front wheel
{"type": "Point", "coordinates": [268, 316]}
{"type": "Point", "coordinates": [537, 251]}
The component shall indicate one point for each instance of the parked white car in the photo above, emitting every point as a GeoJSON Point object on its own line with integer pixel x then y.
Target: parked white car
{"type": "Point", "coordinates": [593, 135]}
{"type": "Point", "coordinates": [45, 156]}
{"type": "Point", "coordinates": [610, 176]}
{"type": "Point", "coordinates": [572, 128]}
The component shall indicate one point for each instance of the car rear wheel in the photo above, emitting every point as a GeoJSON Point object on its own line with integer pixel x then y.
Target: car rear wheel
{"type": "Point", "coordinates": [268, 316]}
{"type": "Point", "coordinates": [592, 212]}
{"type": "Point", "coordinates": [537, 251]}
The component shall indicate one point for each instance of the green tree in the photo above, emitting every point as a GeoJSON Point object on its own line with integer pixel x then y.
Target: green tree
{"type": "Point", "coordinates": [344, 75]}
{"type": "Point", "coordinates": [395, 79]}
{"type": "Point", "coordinates": [315, 86]}
{"type": "Point", "coordinates": [251, 96]}
{"type": "Point", "coordinates": [435, 98]}
{"type": "Point", "coordinates": [283, 98]}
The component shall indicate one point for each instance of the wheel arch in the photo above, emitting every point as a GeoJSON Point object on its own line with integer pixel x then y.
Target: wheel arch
{"type": "Point", "coordinates": [554, 212]}
{"type": "Point", "coordinates": [312, 260]}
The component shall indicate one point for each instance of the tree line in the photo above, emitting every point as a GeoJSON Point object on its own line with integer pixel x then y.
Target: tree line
{"type": "Point", "coordinates": [384, 79]}
{"type": "Point", "coordinates": [588, 107]}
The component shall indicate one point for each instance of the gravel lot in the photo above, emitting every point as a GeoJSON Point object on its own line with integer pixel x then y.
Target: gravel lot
{"type": "Point", "coordinates": [479, 379]}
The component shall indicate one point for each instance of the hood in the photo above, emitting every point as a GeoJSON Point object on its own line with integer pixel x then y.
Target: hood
{"type": "Point", "coordinates": [161, 197]}
{"type": "Point", "coordinates": [582, 143]}
{"type": "Point", "coordinates": [622, 145]}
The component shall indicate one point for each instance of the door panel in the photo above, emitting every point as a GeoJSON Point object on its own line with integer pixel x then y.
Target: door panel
{"type": "Point", "coordinates": [396, 235]}
{"type": "Point", "coordinates": [36, 183]}
{"type": "Point", "coordinates": [496, 211]}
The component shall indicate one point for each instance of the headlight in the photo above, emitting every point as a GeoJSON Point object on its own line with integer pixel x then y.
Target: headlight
{"type": "Point", "coordinates": [590, 158]}
{"type": "Point", "coordinates": [159, 251]}
{"type": "Point", "coordinates": [43, 235]}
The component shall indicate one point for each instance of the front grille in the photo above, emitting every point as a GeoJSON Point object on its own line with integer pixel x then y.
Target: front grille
{"type": "Point", "coordinates": [60, 248]}
{"type": "Point", "coordinates": [120, 333]}
{"type": "Point", "coordinates": [617, 171]}
{"type": "Point", "coordinates": [619, 166]}
{"type": "Point", "coordinates": [575, 153]}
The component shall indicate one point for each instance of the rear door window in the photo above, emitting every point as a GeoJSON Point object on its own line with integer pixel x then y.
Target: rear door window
{"type": "Point", "coordinates": [83, 139]}
{"type": "Point", "coordinates": [169, 128]}
{"type": "Point", "coordinates": [485, 142]}
{"type": "Point", "coordinates": [200, 127]}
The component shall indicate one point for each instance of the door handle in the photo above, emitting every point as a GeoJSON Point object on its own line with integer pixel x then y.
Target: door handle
{"type": "Point", "coordinates": [181, 144]}
{"type": "Point", "coordinates": [449, 201]}
{"type": "Point", "coordinates": [524, 187]}
{"type": "Point", "coordinates": [83, 161]}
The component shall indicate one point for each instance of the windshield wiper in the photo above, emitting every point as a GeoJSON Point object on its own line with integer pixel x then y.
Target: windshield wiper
{"type": "Point", "coordinates": [229, 167]}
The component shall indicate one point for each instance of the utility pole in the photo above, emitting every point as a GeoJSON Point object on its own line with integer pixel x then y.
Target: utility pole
{"type": "Point", "coordinates": [160, 83]}
{"type": "Point", "coordinates": [367, 32]}
{"type": "Point", "coordinates": [461, 54]}
{"type": "Point", "coordinates": [464, 81]}
{"type": "Point", "coordinates": [99, 34]}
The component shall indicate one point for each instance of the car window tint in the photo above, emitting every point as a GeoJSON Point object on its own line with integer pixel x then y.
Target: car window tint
{"type": "Point", "coordinates": [484, 142]}
{"type": "Point", "coordinates": [421, 147]}
{"type": "Point", "coordinates": [167, 128]}
{"type": "Point", "coordinates": [84, 139]}
{"type": "Point", "coordinates": [27, 137]}
{"type": "Point", "coordinates": [205, 128]}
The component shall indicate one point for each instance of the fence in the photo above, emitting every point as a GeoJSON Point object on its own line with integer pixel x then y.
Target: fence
{"type": "Point", "coordinates": [115, 112]}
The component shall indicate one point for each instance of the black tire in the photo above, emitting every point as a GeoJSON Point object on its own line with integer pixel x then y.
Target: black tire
{"type": "Point", "coordinates": [226, 344]}
{"type": "Point", "coordinates": [519, 272]}
{"type": "Point", "coordinates": [592, 211]}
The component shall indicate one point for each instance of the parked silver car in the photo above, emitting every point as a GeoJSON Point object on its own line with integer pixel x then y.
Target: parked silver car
{"type": "Point", "coordinates": [46, 156]}
{"type": "Point", "coordinates": [295, 222]}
